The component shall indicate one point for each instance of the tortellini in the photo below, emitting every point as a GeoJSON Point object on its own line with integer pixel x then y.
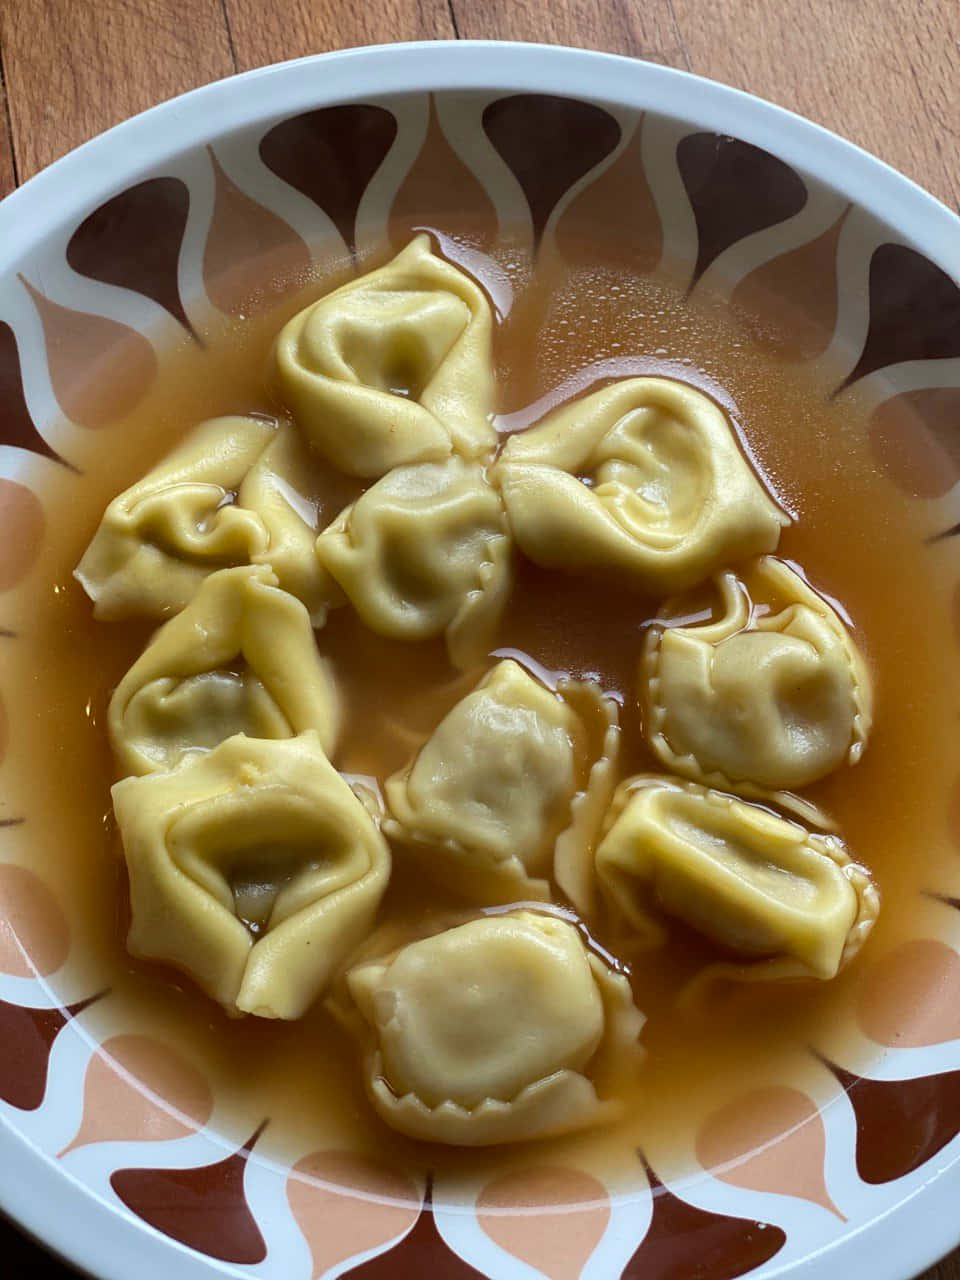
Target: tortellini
{"type": "Point", "coordinates": [644, 478]}
{"type": "Point", "coordinates": [772, 694]}
{"type": "Point", "coordinates": [498, 1030]}
{"type": "Point", "coordinates": [228, 495]}
{"type": "Point", "coordinates": [491, 794]}
{"type": "Point", "coordinates": [755, 882]}
{"type": "Point", "coordinates": [253, 868]}
{"type": "Point", "coordinates": [240, 658]}
{"type": "Point", "coordinates": [394, 367]}
{"type": "Point", "coordinates": [484, 1010]}
{"type": "Point", "coordinates": [424, 552]}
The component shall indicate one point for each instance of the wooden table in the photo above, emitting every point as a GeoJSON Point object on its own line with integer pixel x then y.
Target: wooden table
{"type": "Point", "coordinates": [882, 73]}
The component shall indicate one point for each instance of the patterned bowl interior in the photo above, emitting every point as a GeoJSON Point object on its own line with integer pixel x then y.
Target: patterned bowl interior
{"type": "Point", "coordinates": [779, 1172]}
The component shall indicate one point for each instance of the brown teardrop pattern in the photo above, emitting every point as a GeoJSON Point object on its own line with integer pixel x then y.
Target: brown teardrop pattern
{"type": "Point", "coordinates": [422, 1253]}
{"type": "Point", "coordinates": [614, 218]}
{"type": "Point", "coordinates": [16, 425]}
{"type": "Point", "coordinates": [27, 1036]}
{"type": "Point", "coordinates": [914, 312]}
{"type": "Point", "coordinates": [683, 1242]}
{"type": "Point", "coordinates": [203, 1208]}
{"type": "Point", "coordinates": [34, 934]}
{"type": "Point", "coordinates": [901, 1124]}
{"type": "Point", "coordinates": [330, 156]}
{"type": "Point", "coordinates": [346, 1204]}
{"type": "Point", "coordinates": [552, 1218]}
{"type": "Point", "coordinates": [440, 193]}
{"type": "Point", "coordinates": [23, 524]}
{"type": "Point", "coordinates": [915, 437]}
{"type": "Point", "coordinates": [908, 998]}
{"type": "Point", "coordinates": [99, 369]}
{"type": "Point", "coordinates": [735, 189]}
{"type": "Point", "coordinates": [252, 258]}
{"type": "Point", "coordinates": [789, 305]}
{"type": "Point", "coordinates": [134, 241]}
{"type": "Point", "coordinates": [548, 143]}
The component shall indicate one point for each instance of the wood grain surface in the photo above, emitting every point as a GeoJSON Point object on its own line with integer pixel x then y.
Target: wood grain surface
{"type": "Point", "coordinates": [882, 73]}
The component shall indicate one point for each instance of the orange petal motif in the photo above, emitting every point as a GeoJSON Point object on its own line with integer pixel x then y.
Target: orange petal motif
{"type": "Point", "coordinates": [34, 935]}
{"type": "Point", "coordinates": [908, 998]}
{"type": "Point", "coordinates": [614, 218]}
{"type": "Point", "coordinates": [769, 1140]}
{"type": "Point", "coordinates": [252, 257]}
{"type": "Point", "coordinates": [551, 1218]}
{"type": "Point", "coordinates": [440, 193]}
{"type": "Point", "coordinates": [99, 369]}
{"type": "Point", "coordinates": [137, 1089]}
{"type": "Point", "coordinates": [23, 524]}
{"type": "Point", "coordinates": [346, 1204]}
{"type": "Point", "coordinates": [914, 438]}
{"type": "Point", "coordinates": [789, 305]}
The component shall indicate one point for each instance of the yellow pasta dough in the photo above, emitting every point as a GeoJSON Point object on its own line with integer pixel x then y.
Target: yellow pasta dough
{"type": "Point", "coordinates": [425, 552]}
{"type": "Point", "coordinates": [761, 885]}
{"type": "Point", "coordinates": [394, 367]}
{"type": "Point", "coordinates": [487, 992]}
{"type": "Point", "coordinates": [240, 658]}
{"type": "Point", "coordinates": [253, 868]}
{"type": "Point", "coordinates": [644, 478]}
{"type": "Point", "coordinates": [230, 494]}
{"type": "Point", "coordinates": [766, 697]}
{"type": "Point", "coordinates": [489, 796]}
{"type": "Point", "coordinates": [498, 1030]}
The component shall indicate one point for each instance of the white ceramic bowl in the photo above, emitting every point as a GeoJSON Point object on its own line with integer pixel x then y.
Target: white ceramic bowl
{"type": "Point", "coordinates": [863, 1181]}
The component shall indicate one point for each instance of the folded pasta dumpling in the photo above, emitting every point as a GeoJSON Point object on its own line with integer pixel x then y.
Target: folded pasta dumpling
{"type": "Point", "coordinates": [254, 868]}
{"type": "Point", "coordinates": [774, 693]}
{"type": "Point", "coordinates": [644, 478]}
{"type": "Point", "coordinates": [240, 658]}
{"type": "Point", "coordinates": [499, 1030]}
{"type": "Point", "coordinates": [229, 494]}
{"type": "Point", "coordinates": [425, 552]}
{"type": "Point", "coordinates": [277, 488]}
{"type": "Point", "coordinates": [492, 792]}
{"type": "Point", "coordinates": [759, 884]}
{"type": "Point", "coordinates": [394, 367]}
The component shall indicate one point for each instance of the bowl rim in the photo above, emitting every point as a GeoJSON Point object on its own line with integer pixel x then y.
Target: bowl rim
{"type": "Point", "coordinates": [41, 1196]}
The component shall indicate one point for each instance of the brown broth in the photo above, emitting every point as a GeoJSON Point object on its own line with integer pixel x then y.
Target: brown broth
{"type": "Point", "coordinates": [854, 536]}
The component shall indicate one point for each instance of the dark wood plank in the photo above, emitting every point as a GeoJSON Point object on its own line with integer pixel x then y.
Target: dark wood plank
{"type": "Point", "coordinates": [75, 68]}
{"type": "Point", "coordinates": [884, 74]}
{"type": "Point", "coordinates": [8, 173]}
{"type": "Point", "coordinates": [271, 32]}
{"type": "Point", "coordinates": [646, 30]}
